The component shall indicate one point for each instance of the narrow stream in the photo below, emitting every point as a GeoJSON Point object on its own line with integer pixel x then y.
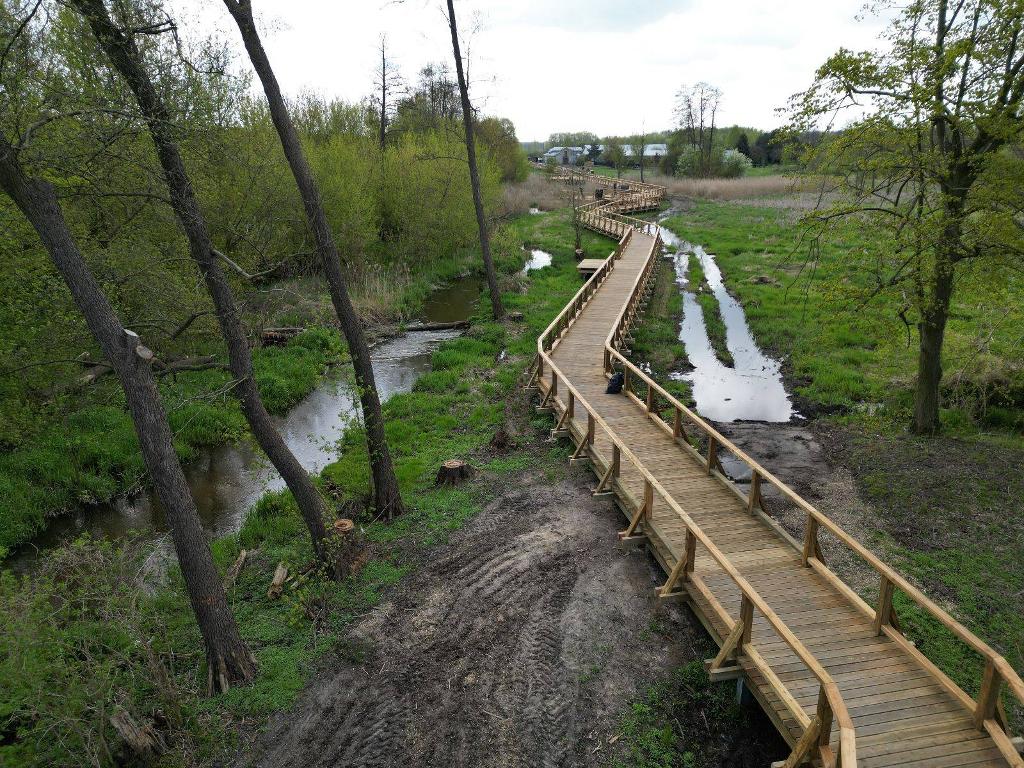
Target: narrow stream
{"type": "Point", "coordinates": [226, 481]}
{"type": "Point", "coordinates": [752, 390]}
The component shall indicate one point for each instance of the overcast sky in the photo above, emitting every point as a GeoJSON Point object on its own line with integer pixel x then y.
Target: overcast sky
{"type": "Point", "coordinates": [598, 65]}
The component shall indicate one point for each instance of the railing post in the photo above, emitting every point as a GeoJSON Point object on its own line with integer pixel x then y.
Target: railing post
{"type": "Point", "coordinates": [712, 453]}
{"type": "Point", "coordinates": [554, 385]}
{"type": "Point", "coordinates": [650, 397]}
{"type": "Point", "coordinates": [988, 696]}
{"type": "Point", "coordinates": [648, 498]}
{"type": "Point", "coordinates": [810, 539]}
{"type": "Point", "coordinates": [590, 427]}
{"type": "Point", "coordinates": [824, 716]}
{"type": "Point", "coordinates": [616, 459]}
{"type": "Point", "coordinates": [677, 423]}
{"type": "Point", "coordinates": [747, 617]}
{"type": "Point", "coordinates": [625, 379]}
{"type": "Point", "coordinates": [540, 366]}
{"type": "Point", "coordinates": [883, 613]}
{"type": "Point", "coordinates": [570, 407]}
{"type": "Point", "coordinates": [755, 491]}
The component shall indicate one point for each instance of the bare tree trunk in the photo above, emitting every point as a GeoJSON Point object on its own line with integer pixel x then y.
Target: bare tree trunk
{"type": "Point", "coordinates": [387, 496]}
{"type": "Point", "coordinates": [228, 658]}
{"type": "Point", "coordinates": [120, 48]}
{"type": "Point", "coordinates": [474, 174]}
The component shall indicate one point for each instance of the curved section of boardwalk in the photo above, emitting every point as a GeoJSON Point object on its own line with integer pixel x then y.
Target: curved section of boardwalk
{"type": "Point", "coordinates": [838, 678]}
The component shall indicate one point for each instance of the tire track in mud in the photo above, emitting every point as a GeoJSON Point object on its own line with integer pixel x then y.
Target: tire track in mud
{"type": "Point", "coordinates": [477, 658]}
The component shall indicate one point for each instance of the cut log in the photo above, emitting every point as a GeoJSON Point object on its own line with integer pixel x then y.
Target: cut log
{"type": "Point", "coordinates": [277, 584]}
{"type": "Point", "coordinates": [453, 472]}
{"type": "Point", "coordinates": [270, 337]}
{"type": "Point", "coordinates": [232, 575]}
{"type": "Point", "coordinates": [515, 317]}
{"type": "Point", "coordinates": [142, 740]}
{"type": "Point", "coordinates": [438, 326]}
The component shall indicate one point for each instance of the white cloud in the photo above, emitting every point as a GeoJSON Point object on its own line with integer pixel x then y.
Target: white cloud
{"type": "Point", "coordinates": [609, 67]}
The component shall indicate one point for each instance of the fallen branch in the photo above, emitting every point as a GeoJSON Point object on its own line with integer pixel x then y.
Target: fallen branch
{"type": "Point", "coordinates": [438, 326]}
{"type": "Point", "coordinates": [237, 268]}
{"type": "Point", "coordinates": [232, 575]}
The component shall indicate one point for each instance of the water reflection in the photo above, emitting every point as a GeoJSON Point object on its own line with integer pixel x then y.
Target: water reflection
{"type": "Point", "coordinates": [538, 260]}
{"type": "Point", "coordinates": [752, 390]}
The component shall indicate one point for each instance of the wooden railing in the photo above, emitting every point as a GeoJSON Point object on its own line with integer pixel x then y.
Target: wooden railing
{"type": "Point", "coordinates": [817, 730]}
{"type": "Point", "coordinates": [986, 709]}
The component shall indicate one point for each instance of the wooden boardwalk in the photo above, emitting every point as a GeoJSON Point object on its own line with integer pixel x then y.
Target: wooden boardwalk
{"type": "Point", "coordinates": [838, 678]}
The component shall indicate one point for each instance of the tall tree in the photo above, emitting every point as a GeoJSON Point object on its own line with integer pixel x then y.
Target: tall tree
{"type": "Point", "coordinates": [120, 48]}
{"type": "Point", "coordinates": [229, 661]}
{"type": "Point", "coordinates": [639, 147]}
{"type": "Point", "coordinates": [696, 111]}
{"type": "Point", "coordinates": [387, 496]}
{"type": "Point", "coordinates": [615, 155]}
{"type": "Point", "coordinates": [387, 81]}
{"type": "Point", "coordinates": [474, 174]}
{"type": "Point", "coordinates": [930, 164]}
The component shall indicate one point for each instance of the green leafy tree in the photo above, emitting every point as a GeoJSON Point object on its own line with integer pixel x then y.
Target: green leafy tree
{"type": "Point", "coordinates": [615, 154]}
{"type": "Point", "coordinates": [933, 164]}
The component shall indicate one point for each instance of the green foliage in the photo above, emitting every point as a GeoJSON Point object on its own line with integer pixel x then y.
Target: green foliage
{"type": "Point", "coordinates": [68, 668]}
{"type": "Point", "coordinates": [845, 346]}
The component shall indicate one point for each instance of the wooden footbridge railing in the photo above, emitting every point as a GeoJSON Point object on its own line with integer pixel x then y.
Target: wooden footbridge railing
{"type": "Point", "coordinates": [842, 683]}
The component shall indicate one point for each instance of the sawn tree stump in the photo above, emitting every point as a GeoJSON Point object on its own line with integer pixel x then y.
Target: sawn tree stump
{"type": "Point", "coordinates": [453, 472]}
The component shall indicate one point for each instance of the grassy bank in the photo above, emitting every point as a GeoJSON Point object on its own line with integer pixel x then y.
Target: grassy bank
{"type": "Point", "coordinates": [698, 285]}
{"type": "Point", "coordinates": [108, 647]}
{"type": "Point", "coordinates": [937, 506]}
{"type": "Point", "coordinates": [656, 343]}
{"type": "Point", "coordinates": [87, 452]}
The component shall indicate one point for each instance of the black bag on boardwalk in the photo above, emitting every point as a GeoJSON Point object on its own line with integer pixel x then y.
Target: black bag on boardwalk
{"type": "Point", "coordinates": [615, 383]}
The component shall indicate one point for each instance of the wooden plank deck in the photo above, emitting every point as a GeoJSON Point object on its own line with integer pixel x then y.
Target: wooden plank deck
{"type": "Point", "coordinates": [903, 713]}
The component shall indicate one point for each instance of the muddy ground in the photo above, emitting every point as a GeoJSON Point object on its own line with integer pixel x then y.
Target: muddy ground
{"type": "Point", "coordinates": [520, 642]}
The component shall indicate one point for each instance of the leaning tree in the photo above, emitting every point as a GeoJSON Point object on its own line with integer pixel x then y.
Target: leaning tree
{"type": "Point", "coordinates": [387, 497]}
{"type": "Point", "coordinates": [931, 158]}
{"type": "Point", "coordinates": [119, 45]}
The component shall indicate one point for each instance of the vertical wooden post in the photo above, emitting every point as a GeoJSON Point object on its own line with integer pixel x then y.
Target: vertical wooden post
{"type": "Point", "coordinates": [824, 716]}
{"type": "Point", "coordinates": [988, 696]}
{"type": "Point", "coordinates": [677, 424]}
{"type": "Point", "coordinates": [747, 617]}
{"type": "Point", "coordinates": [616, 459]}
{"type": "Point", "coordinates": [625, 379]}
{"type": "Point", "coordinates": [712, 452]}
{"type": "Point", "coordinates": [691, 551]}
{"type": "Point", "coordinates": [570, 407]}
{"type": "Point", "coordinates": [883, 613]}
{"type": "Point", "coordinates": [540, 366]}
{"type": "Point", "coordinates": [648, 498]}
{"type": "Point", "coordinates": [554, 385]}
{"type": "Point", "coordinates": [810, 539]}
{"type": "Point", "coordinates": [590, 428]}
{"type": "Point", "coordinates": [754, 496]}
{"type": "Point", "coordinates": [650, 397]}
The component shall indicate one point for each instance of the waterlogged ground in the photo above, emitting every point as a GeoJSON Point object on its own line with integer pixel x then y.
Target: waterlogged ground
{"type": "Point", "coordinates": [752, 388]}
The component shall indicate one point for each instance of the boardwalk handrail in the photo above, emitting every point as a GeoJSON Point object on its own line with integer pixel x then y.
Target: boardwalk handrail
{"type": "Point", "coordinates": [985, 709]}
{"type": "Point", "coordinates": [817, 731]}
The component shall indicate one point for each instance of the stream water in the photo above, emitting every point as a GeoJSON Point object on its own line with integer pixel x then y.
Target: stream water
{"type": "Point", "coordinates": [226, 481]}
{"type": "Point", "coordinates": [751, 390]}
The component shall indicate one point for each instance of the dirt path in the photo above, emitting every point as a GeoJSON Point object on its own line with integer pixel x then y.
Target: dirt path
{"type": "Point", "coordinates": [518, 644]}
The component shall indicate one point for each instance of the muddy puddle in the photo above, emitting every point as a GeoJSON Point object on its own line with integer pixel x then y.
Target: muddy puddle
{"type": "Point", "coordinates": [752, 389]}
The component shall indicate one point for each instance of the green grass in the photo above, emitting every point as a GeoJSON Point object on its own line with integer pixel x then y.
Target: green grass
{"type": "Point", "coordinates": [698, 284]}
{"type": "Point", "coordinates": [841, 352]}
{"type": "Point", "coordinates": [685, 721]}
{"type": "Point", "coordinates": [66, 670]}
{"type": "Point", "coordinates": [94, 455]}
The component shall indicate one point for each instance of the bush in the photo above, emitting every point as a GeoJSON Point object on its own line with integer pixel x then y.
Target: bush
{"type": "Point", "coordinates": [725, 164]}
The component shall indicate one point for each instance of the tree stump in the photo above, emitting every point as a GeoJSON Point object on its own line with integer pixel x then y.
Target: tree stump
{"type": "Point", "coordinates": [453, 472]}
{"type": "Point", "coordinates": [277, 584]}
{"type": "Point", "coordinates": [348, 548]}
